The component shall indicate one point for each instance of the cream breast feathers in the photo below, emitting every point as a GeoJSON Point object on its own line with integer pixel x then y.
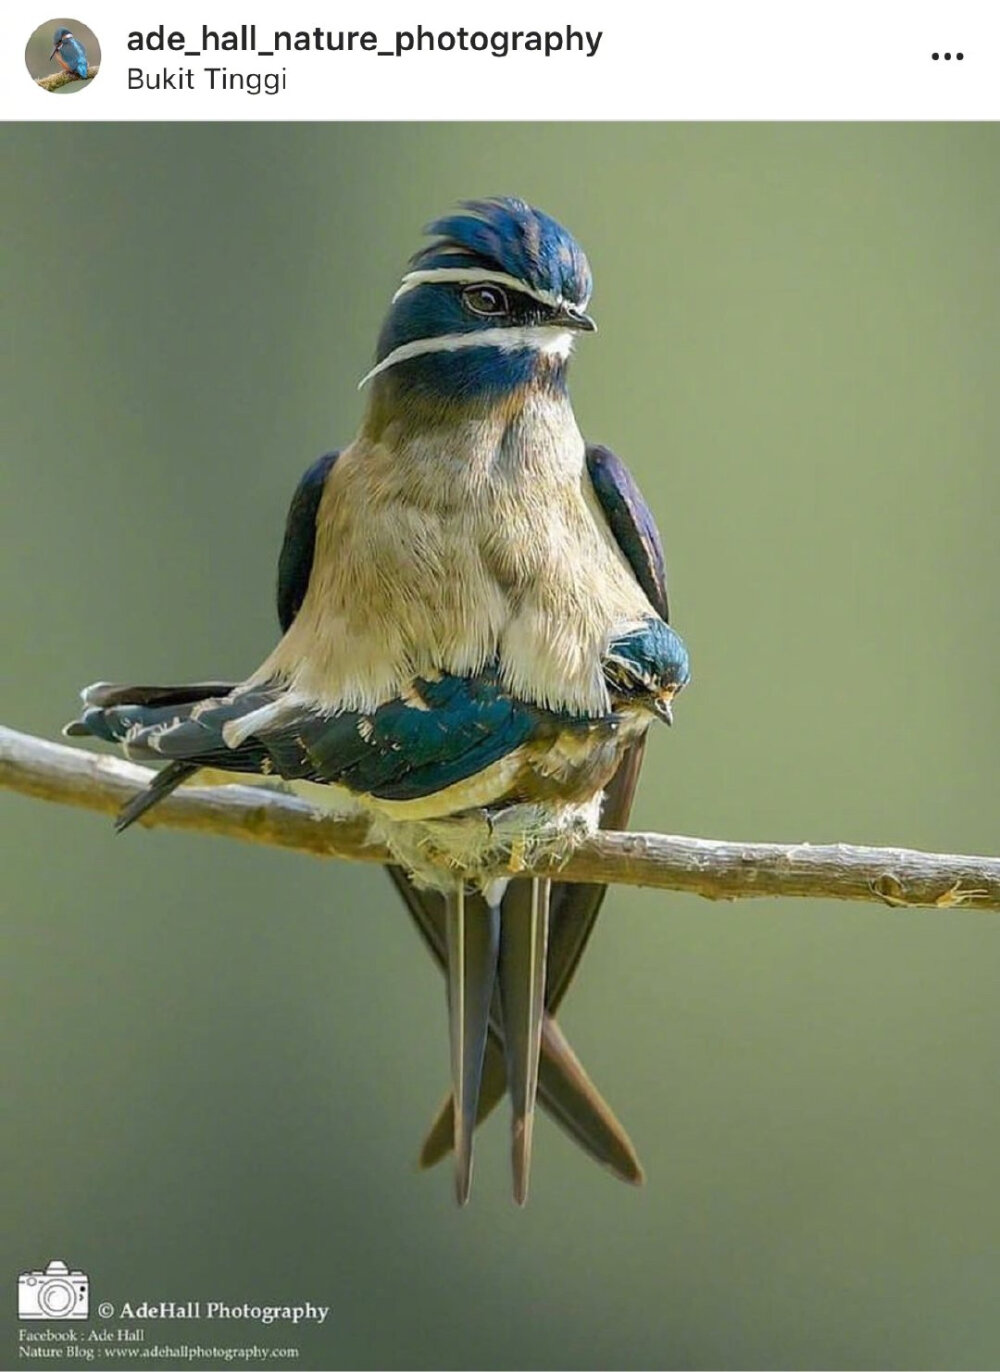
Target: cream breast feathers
{"type": "Point", "coordinates": [477, 540]}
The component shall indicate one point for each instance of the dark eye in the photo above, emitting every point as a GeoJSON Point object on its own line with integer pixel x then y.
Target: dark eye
{"type": "Point", "coordinates": [485, 299]}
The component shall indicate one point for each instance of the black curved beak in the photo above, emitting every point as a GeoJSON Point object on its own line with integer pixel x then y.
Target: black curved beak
{"type": "Point", "coordinates": [53, 53]}
{"type": "Point", "coordinates": [572, 318]}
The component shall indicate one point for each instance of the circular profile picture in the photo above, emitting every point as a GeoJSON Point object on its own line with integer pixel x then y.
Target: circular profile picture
{"type": "Point", "coordinates": [62, 56]}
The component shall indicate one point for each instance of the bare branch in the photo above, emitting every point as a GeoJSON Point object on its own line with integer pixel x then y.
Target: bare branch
{"type": "Point", "coordinates": [71, 776]}
{"type": "Point", "coordinates": [58, 79]}
{"type": "Point", "coordinates": [706, 867]}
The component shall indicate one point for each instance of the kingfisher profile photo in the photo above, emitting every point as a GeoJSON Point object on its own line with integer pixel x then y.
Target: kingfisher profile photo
{"type": "Point", "coordinates": [63, 55]}
{"type": "Point", "coordinates": [474, 644]}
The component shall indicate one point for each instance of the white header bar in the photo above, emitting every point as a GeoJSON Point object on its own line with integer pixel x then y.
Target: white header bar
{"type": "Point", "coordinates": [561, 59]}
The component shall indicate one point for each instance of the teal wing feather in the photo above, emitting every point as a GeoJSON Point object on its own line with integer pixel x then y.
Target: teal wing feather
{"type": "Point", "coordinates": [440, 733]}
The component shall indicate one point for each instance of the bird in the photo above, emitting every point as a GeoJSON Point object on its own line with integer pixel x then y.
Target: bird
{"type": "Point", "coordinates": [71, 53]}
{"type": "Point", "coordinates": [475, 642]}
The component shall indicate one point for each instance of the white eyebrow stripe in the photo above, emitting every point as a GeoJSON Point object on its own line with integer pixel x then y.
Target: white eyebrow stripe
{"type": "Point", "coordinates": [542, 338]}
{"type": "Point", "coordinates": [474, 276]}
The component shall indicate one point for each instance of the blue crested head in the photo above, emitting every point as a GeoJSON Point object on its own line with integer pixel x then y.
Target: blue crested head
{"type": "Point", "coordinates": [675, 664]}
{"type": "Point", "coordinates": [507, 235]}
{"type": "Point", "coordinates": [648, 663]}
{"type": "Point", "coordinates": [59, 35]}
{"type": "Point", "coordinates": [494, 303]}
{"type": "Point", "coordinates": [657, 653]}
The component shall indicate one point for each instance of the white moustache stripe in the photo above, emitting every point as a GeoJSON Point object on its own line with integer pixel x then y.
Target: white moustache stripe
{"type": "Point", "coordinates": [477, 276]}
{"type": "Point", "coordinates": [541, 338]}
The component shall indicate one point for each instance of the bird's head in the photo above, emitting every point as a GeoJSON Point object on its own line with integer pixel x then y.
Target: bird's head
{"type": "Point", "coordinates": [58, 39]}
{"type": "Point", "coordinates": [674, 673]}
{"type": "Point", "coordinates": [493, 303]}
{"type": "Point", "coordinates": [648, 663]}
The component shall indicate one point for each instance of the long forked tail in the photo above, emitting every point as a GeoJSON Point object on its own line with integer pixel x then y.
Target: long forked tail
{"type": "Point", "coordinates": [472, 931]}
{"type": "Point", "coordinates": [524, 935]}
{"type": "Point", "coordinates": [565, 1091]}
{"type": "Point", "coordinates": [496, 955]}
{"type": "Point", "coordinates": [564, 1088]}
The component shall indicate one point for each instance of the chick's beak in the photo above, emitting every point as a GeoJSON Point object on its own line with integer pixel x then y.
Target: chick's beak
{"type": "Point", "coordinates": [570, 317]}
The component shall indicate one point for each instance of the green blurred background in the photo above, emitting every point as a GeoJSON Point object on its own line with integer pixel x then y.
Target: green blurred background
{"type": "Point", "coordinates": [220, 1059]}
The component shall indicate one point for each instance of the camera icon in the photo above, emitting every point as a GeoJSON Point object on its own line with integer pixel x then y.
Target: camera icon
{"type": "Point", "coordinates": [55, 1294]}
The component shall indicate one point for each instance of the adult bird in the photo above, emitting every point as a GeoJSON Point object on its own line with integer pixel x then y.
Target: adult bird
{"type": "Point", "coordinates": [70, 53]}
{"type": "Point", "coordinates": [475, 643]}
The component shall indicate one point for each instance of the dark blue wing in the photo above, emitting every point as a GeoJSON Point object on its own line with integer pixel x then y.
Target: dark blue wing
{"type": "Point", "coordinates": [439, 733]}
{"type": "Point", "coordinates": [630, 521]}
{"type": "Point", "coordinates": [299, 546]}
{"type": "Point", "coordinates": [442, 733]}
